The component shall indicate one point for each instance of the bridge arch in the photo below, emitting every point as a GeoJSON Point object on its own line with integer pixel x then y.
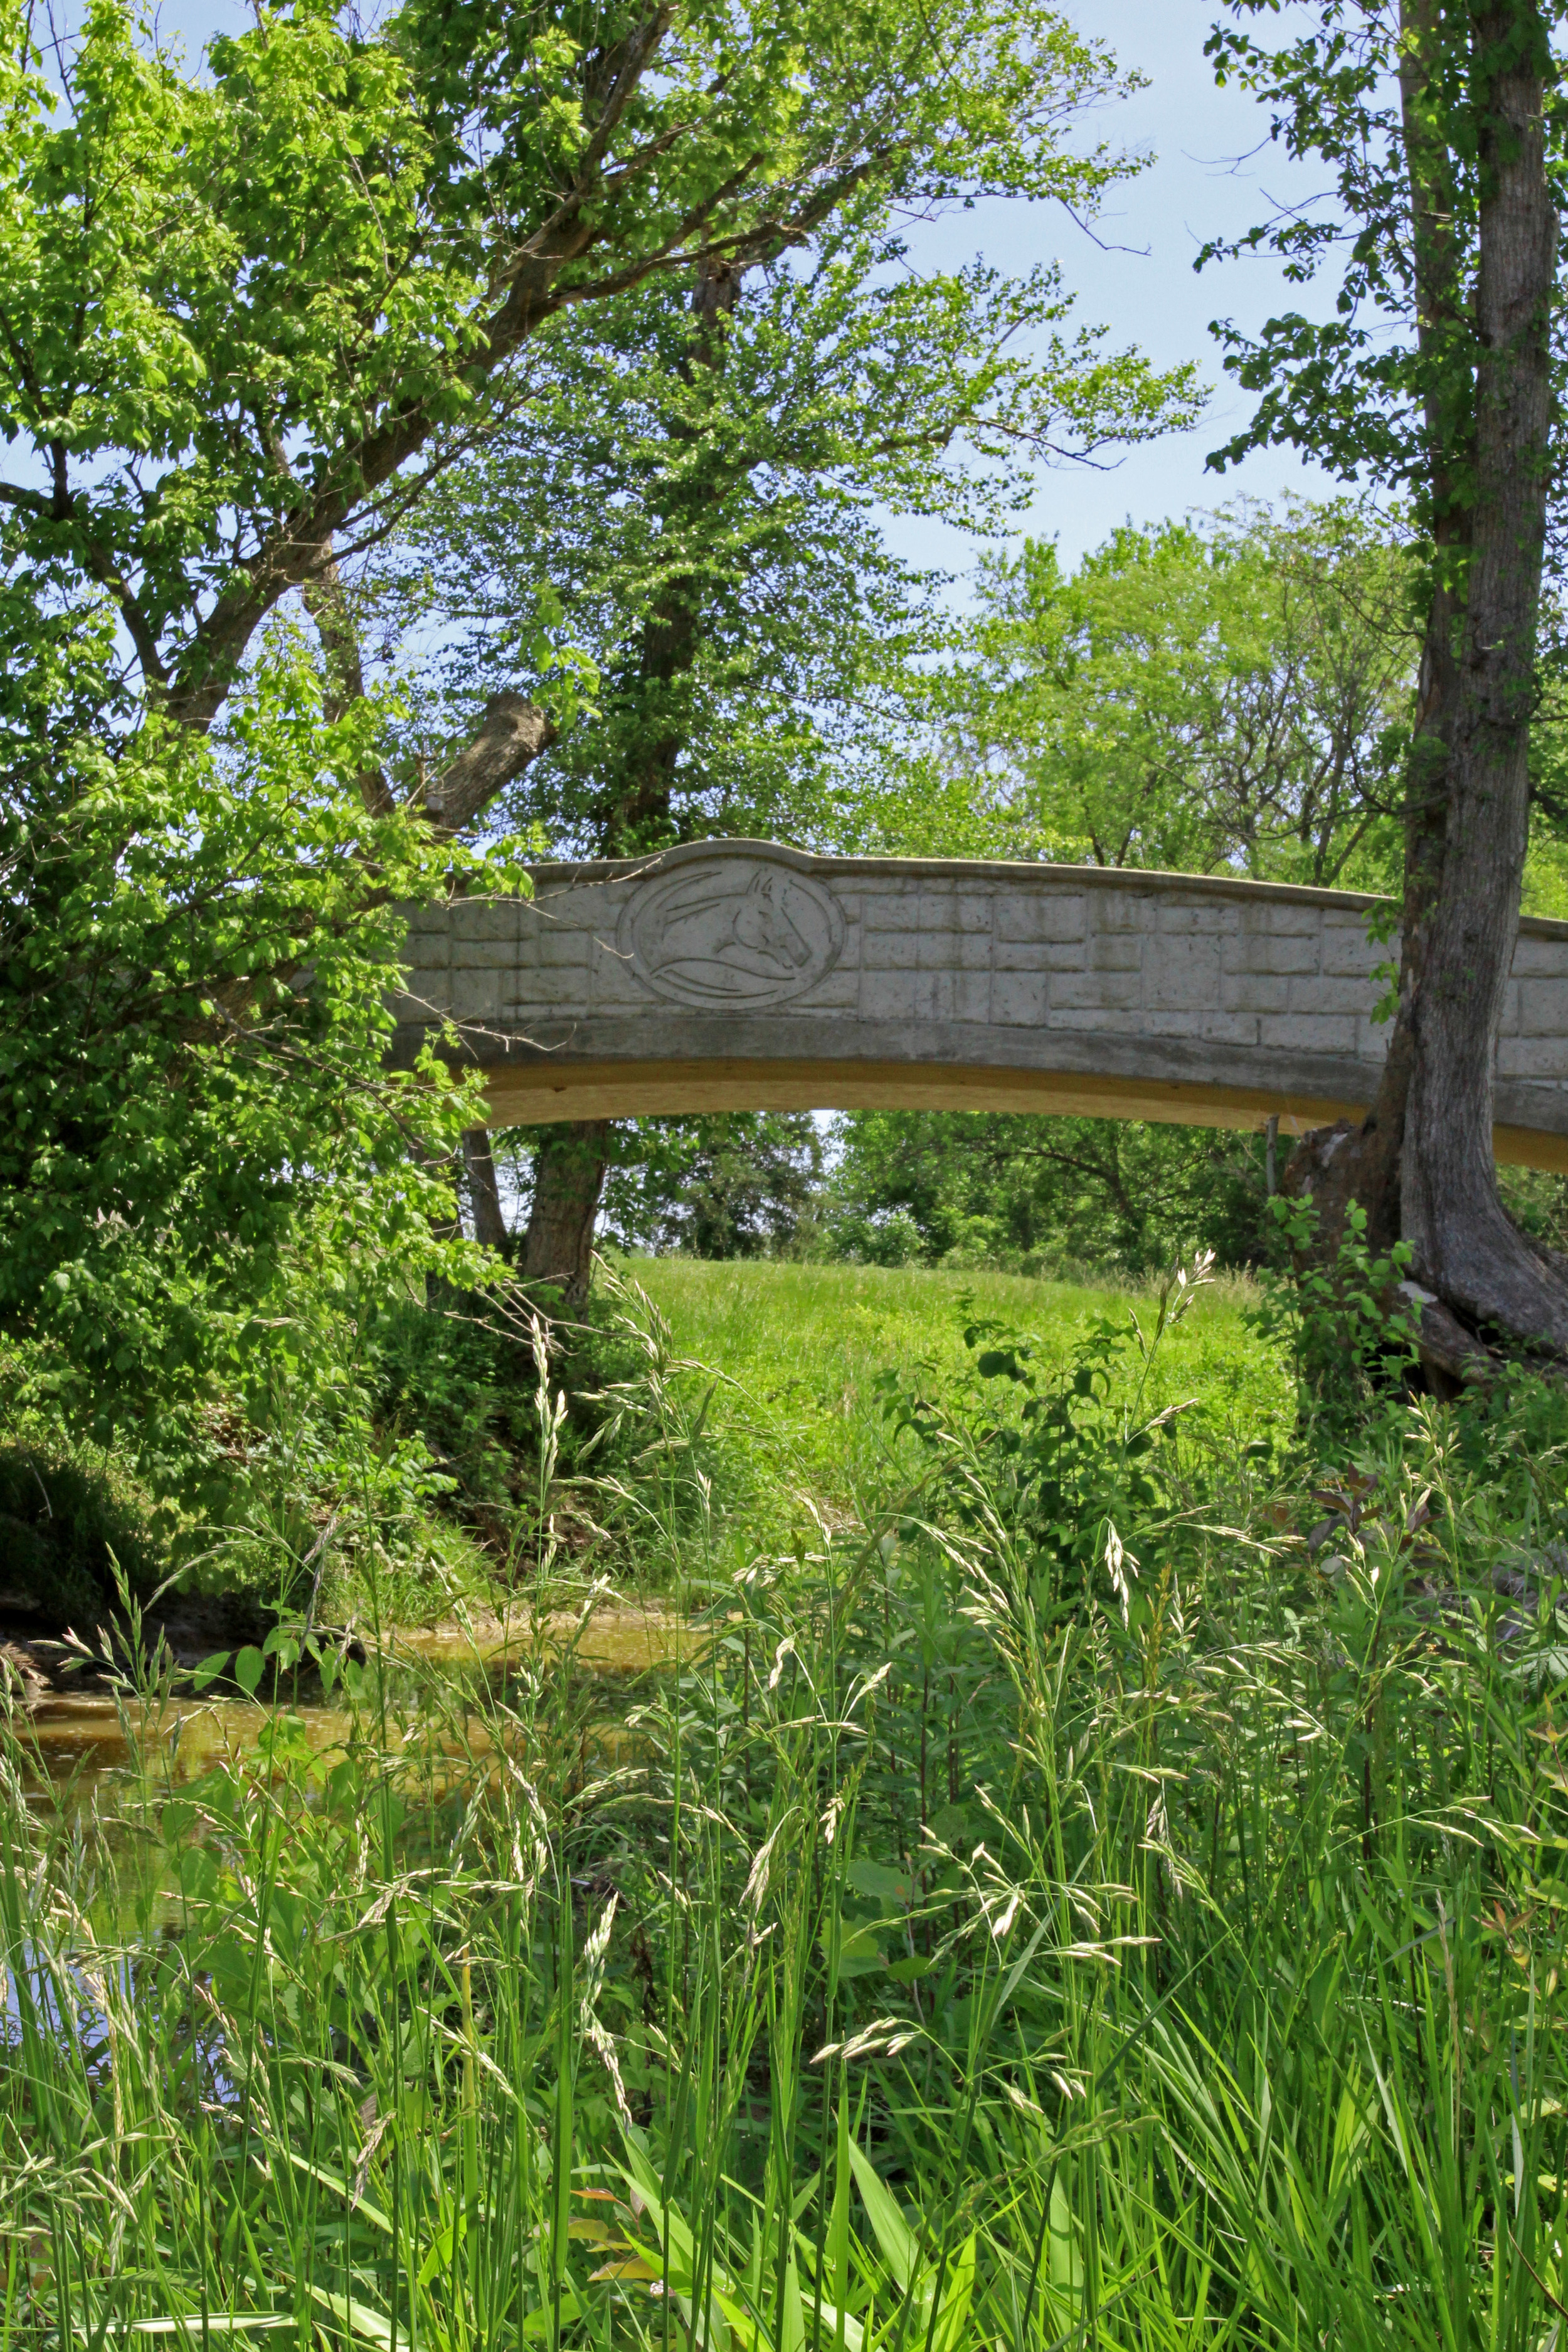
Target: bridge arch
{"type": "Point", "coordinates": [730, 975]}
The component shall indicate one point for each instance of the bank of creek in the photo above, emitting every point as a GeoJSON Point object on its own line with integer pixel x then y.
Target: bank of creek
{"type": "Point", "coordinates": [78, 1727]}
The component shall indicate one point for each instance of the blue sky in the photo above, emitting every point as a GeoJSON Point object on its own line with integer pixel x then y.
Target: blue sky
{"type": "Point", "coordinates": [1213, 173]}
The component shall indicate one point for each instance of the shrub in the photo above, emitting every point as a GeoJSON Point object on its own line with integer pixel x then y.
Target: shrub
{"type": "Point", "coordinates": [66, 1540]}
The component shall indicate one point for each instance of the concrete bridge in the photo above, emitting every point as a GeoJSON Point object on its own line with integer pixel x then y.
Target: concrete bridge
{"type": "Point", "coordinates": [737, 975]}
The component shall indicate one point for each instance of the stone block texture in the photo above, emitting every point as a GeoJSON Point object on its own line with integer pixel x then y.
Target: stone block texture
{"type": "Point", "coordinates": [743, 948]}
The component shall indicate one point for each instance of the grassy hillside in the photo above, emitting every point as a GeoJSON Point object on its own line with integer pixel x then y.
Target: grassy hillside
{"type": "Point", "coordinates": [800, 1350]}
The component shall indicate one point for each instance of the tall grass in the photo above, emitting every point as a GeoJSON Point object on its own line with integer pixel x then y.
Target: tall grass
{"type": "Point", "coordinates": [1142, 1932]}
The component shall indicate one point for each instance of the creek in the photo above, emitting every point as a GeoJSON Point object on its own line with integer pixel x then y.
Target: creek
{"type": "Point", "coordinates": [86, 1736]}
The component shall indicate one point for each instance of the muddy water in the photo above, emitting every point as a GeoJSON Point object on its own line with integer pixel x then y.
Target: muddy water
{"type": "Point", "coordinates": [81, 1734]}
{"type": "Point", "coordinates": [621, 1640]}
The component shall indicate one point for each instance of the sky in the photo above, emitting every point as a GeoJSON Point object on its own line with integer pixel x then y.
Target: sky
{"type": "Point", "coordinates": [1214, 174]}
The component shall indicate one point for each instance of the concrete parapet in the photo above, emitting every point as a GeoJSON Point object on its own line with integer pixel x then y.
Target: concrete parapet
{"type": "Point", "coordinates": [734, 974]}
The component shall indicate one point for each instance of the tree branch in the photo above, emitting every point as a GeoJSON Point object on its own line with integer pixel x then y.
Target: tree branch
{"type": "Point", "coordinates": [327, 603]}
{"type": "Point", "coordinates": [533, 296]}
{"type": "Point", "coordinates": [138, 628]}
{"type": "Point", "coordinates": [513, 733]}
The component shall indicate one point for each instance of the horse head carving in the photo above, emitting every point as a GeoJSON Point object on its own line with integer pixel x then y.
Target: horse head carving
{"type": "Point", "coordinates": [762, 925]}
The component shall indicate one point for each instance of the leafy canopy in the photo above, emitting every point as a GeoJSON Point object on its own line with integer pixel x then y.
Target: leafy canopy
{"type": "Point", "coordinates": [247, 310]}
{"type": "Point", "coordinates": [1393, 104]}
{"type": "Point", "coordinates": [204, 1162]}
{"type": "Point", "coordinates": [1228, 694]}
{"type": "Point", "coordinates": [972, 1188]}
{"type": "Point", "coordinates": [698, 498]}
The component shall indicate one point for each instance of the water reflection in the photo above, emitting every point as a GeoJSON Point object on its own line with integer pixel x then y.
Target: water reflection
{"type": "Point", "coordinates": [83, 1734]}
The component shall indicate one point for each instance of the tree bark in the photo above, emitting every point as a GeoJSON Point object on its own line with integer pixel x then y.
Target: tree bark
{"type": "Point", "coordinates": [568, 1184]}
{"type": "Point", "coordinates": [513, 734]}
{"type": "Point", "coordinates": [1443, 333]}
{"type": "Point", "coordinates": [1422, 1163]}
{"type": "Point", "coordinates": [484, 1191]}
{"type": "Point", "coordinates": [1466, 1248]}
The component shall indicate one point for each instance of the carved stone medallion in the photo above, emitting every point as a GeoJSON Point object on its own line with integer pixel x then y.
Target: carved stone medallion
{"type": "Point", "coordinates": [731, 933]}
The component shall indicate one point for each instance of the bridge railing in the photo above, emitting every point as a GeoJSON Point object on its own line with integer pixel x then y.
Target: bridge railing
{"type": "Point", "coordinates": [738, 974]}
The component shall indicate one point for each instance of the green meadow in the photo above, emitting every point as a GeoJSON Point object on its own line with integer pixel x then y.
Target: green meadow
{"type": "Point", "coordinates": [803, 1348]}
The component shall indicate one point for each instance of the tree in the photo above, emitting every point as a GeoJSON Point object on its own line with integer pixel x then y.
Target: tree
{"type": "Point", "coordinates": [1228, 694]}
{"type": "Point", "coordinates": [1030, 1195]}
{"type": "Point", "coordinates": [248, 316]}
{"type": "Point", "coordinates": [1434, 376]}
{"type": "Point", "coordinates": [717, 1186]}
{"type": "Point", "coordinates": [694, 493]}
{"type": "Point", "coordinates": [695, 466]}
{"type": "Point", "coordinates": [204, 1164]}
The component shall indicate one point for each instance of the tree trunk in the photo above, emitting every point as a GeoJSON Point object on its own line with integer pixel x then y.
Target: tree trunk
{"type": "Point", "coordinates": [568, 1179]}
{"type": "Point", "coordinates": [484, 1191]}
{"type": "Point", "coordinates": [634, 812]}
{"type": "Point", "coordinates": [1422, 1164]}
{"type": "Point", "coordinates": [633, 816]}
{"type": "Point", "coordinates": [1466, 1248]}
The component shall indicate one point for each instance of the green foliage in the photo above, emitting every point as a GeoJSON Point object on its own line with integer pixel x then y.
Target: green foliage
{"type": "Point", "coordinates": [257, 310]}
{"type": "Point", "coordinates": [1352, 1329]}
{"type": "Point", "coordinates": [1537, 1201]}
{"type": "Point", "coordinates": [1383, 389]}
{"type": "Point", "coordinates": [455, 1384]}
{"type": "Point", "coordinates": [1133, 1963]}
{"type": "Point", "coordinates": [1351, 1332]}
{"type": "Point", "coordinates": [1229, 695]}
{"type": "Point", "coordinates": [200, 258]}
{"type": "Point", "coordinates": [690, 468]}
{"type": "Point", "coordinates": [246, 301]}
{"type": "Point", "coordinates": [1064, 1459]}
{"type": "Point", "coordinates": [205, 1168]}
{"type": "Point", "coordinates": [802, 1347]}
{"type": "Point", "coordinates": [67, 1542]}
{"type": "Point", "coordinates": [456, 1379]}
{"type": "Point", "coordinates": [740, 1184]}
{"type": "Point", "coordinates": [1025, 1194]}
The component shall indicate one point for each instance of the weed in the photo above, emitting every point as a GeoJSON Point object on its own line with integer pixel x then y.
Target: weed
{"type": "Point", "coordinates": [929, 1957]}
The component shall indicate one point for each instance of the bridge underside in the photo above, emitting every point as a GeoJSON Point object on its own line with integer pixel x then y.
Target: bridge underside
{"type": "Point", "coordinates": [741, 976]}
{"type": "Point", "coordinates": [523, 1095]}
